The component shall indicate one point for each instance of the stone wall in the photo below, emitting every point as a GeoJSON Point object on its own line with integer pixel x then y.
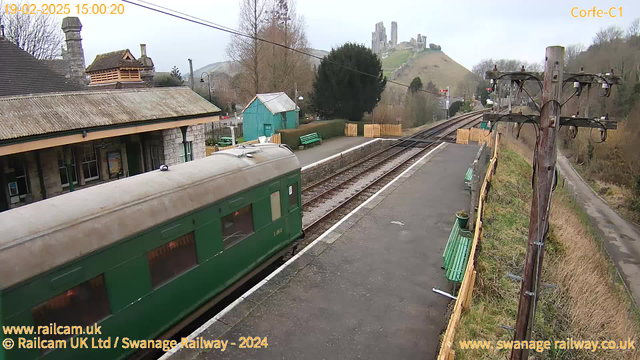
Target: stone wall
{"type": "Point", "coordinates": [327, 168]}
{"type": "Point", "coordinates": [173, 147]}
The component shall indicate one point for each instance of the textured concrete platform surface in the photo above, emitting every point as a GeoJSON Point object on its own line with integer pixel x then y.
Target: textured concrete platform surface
{"type": "Point", "coordinates": [328, 148]}
{"type": "Point", "coordinates": [364, 288]}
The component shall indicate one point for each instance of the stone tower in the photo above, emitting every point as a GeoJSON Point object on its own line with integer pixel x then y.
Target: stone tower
{"type": "Point", "coordinates": [394, 33]}
{"type": "Point", "coordinates": [74, 55]}
{"type": "Point", "coordinates": [379, 39]}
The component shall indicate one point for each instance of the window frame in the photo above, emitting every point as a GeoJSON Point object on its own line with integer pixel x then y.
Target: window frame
{"type": "Point", "coordinates": [275, 201]}
{"type": "Point", "coordinates": [189, 151]}
{"type": "Point", "coordinates": [159, 158]}
{"type": "Point", "coordinates": [64, 166]}
{"type": "Point", "coordinates": [227, 241]}
{"type": "Point", "coordinates": [94, 160]}
{"type": "Point", "coordinates": [191, 235]}
{"type": "Point", "coordinates": [102, 295]}
{"type": "Point", "coordinates": [293, 190]}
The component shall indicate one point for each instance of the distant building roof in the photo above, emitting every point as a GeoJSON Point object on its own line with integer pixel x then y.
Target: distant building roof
{"type": "Point", "coordinates": [32, 115]}
{"type": "Point", "coordinates": [114, 60]}
{"type": "Point", "coordinates": [21, 73]}
{"type": "Point", "coordinates": [275, 102]}
{"type": "Point", "coordinates": [60, 66]}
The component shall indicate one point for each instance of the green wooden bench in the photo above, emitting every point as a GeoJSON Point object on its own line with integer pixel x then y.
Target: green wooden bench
{"type": "Point", "coordinates": [310, 139]}
{"type": "Point", "coordinates": [468, 177]}
{"type": "Point", "coordinates": [456, 253]}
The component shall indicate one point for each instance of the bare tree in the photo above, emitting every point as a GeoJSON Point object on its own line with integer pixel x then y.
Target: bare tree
{"type": "Point", "coordinates": [39, 35]}
{"type": "Point", "coordinates": [610, 34]}
{"type": "Point", "coordinates": [286, 67]}
{"type": "Point", "coordinates": [246, 51]}
{"type": "Point", "coordinates": [634, 28]}
{"type": "Point", "coordinates": [571, 52]}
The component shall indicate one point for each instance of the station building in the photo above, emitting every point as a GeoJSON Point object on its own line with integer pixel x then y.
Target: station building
{"type": "Point", "coordinates": [60, 132]}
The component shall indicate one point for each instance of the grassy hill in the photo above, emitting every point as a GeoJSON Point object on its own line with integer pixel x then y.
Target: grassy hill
{"type": "Point", "coordinates": [428, 65]}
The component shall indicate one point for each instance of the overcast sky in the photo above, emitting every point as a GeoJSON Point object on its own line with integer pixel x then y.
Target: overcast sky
{"type": "Point", "coordinates": [468, 31]}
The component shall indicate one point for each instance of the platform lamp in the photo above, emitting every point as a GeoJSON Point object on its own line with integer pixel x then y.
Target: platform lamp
{"type": "Point", "coordinates": [208, 83]}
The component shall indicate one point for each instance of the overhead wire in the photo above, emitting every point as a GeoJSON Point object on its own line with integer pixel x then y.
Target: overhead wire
{"type": "Point", "coordinates": [190, 18]}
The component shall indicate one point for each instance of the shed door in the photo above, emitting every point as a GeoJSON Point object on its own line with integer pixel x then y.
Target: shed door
{"type": "Point", "coordinates": [268, 129]}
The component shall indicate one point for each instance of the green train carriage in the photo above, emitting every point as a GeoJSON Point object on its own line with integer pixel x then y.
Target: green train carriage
{"type": "Point", "coordinates": [140, 254]}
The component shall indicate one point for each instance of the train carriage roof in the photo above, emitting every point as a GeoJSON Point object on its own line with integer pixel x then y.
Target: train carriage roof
{"type": "Point", "coordinates": [41, 236]}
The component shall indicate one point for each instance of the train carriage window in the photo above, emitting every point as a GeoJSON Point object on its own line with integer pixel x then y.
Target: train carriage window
{"type": "Point", "coordinates": [172, 259]}
{"type": "Point", "coordinates": [293, 195]}
{"type": "Point", "coordinates": [275, 206]}
{"type": "Point", "coordinates": [236, 226]}
{"type": "Point", "coordinates": [82, 305]}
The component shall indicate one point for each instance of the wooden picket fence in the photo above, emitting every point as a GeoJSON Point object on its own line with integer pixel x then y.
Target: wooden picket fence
{"type": "Point", "coordinates": [372, 130]}
{"type": "Point", "coordinates": [350, 129]}
{"type": "Point", "coordinates": [276, 138]}
{"type": "Point", "coordinates": [462, 136]}
{"type": "Point", "coordinates": [377, 130]}
{"type": "Point", "coordinates": [463, 302]}
{"type": "Point", "coordinates": [391, 129]}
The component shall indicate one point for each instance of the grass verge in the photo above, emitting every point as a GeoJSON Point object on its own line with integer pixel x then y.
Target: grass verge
{"type": "Point", "coordinates": [589, 302]}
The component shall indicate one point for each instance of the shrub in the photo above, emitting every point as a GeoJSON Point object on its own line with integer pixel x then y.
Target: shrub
{"type": "Point", "coordinates": [326, 129]}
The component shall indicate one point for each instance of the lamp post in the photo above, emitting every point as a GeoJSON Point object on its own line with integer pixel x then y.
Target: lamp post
{"type": "Point", "coordinates": [208, 83]}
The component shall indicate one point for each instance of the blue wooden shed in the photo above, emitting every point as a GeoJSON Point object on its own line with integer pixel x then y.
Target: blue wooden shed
{"type": "Point", "coordinates": [268, 113]}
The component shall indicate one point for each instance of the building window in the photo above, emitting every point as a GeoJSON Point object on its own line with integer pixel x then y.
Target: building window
{"type": "Point", "coordinates": [89, 161]}
{"type": "Point", "coordinates": [275, 206]}
{"type": "Point", "coordinates": [189, 156]}
{"type": "Point", "coordinates": [293, 195]}
{"type": "Point", "coordinates": [172, 259]}
{"type": "Point", "coordinates": [62, 168]}
{"type": "Point", "coordinates": [157, 156]}
{"type": "Point", "coordinates": [236, 226]}
{"type": "Point", "coordinates": [17, 179]}
{"type": "Point", "coordinates": [82, 305]}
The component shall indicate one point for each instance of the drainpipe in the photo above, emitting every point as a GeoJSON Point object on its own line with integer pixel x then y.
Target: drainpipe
{"type": "Point", "coordinates": [67, 160]}
{"type": "Point", "coordinates": [184, 141]}
{"type": "Point", "coordinates": [43, 190]}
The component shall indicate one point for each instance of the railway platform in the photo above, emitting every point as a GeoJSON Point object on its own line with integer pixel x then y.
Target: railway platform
{"type": "Point", "coordinates": [364, 288]}
{"type": "Point", "coordinates": [328, 148]}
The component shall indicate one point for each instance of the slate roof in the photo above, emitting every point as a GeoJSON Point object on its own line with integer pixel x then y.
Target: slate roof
{"type": "Point", "coordinates": [113, 60]}
{"type": "Point", "coordinates": [24, 116]}
{"type": "Point", "coordinates": [21, 73]}
{"type": "Point", "coordinates": [275, 102]}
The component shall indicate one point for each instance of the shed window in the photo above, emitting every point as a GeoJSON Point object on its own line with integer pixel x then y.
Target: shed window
{"type": "Point", "coordinates": [172, 259]}
{"type": "Point", "coordinates": [82, 305]}
{"type": "Point", "coordinates": [275, 206]}
{"type": "Point", "coordinates": [293, 195]}
{"type": "Point", "coordinates": [236, 226]}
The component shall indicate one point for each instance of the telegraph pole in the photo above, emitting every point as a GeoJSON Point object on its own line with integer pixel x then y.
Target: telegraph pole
{"type": "Point", "coordinates": [541, 201]}
{"type": "Point", "coordinates": [547, 125]}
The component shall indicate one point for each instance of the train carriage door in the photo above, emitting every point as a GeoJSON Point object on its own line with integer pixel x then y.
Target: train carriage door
{"type": "Point", "coordinates": [294, 209]}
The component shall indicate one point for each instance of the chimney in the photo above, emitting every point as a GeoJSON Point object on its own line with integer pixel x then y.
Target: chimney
{"type": "Point", "coordinates": [149, 70]}
{"type": "Point", "coordinates": [74, 55]}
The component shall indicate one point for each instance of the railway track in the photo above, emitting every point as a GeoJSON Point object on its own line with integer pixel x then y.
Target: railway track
{"type": "Point", "coordinates": [324, 203]}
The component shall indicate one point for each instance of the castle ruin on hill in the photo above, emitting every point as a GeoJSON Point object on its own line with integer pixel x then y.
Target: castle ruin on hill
{"type": "Point", "coordinates": [380, 45]}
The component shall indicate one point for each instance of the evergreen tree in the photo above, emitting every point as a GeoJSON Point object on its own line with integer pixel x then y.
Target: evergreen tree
{"type": "Point", "coordinates": [176, 73]}
{"type": "Point", "coordinates": [416, 85]}
{"type": "Point", "coordinates": [341, 92]}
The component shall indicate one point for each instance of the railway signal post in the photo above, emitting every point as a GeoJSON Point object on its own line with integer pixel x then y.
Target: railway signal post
{"type": "Point", "coordinates": [547, 125]}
